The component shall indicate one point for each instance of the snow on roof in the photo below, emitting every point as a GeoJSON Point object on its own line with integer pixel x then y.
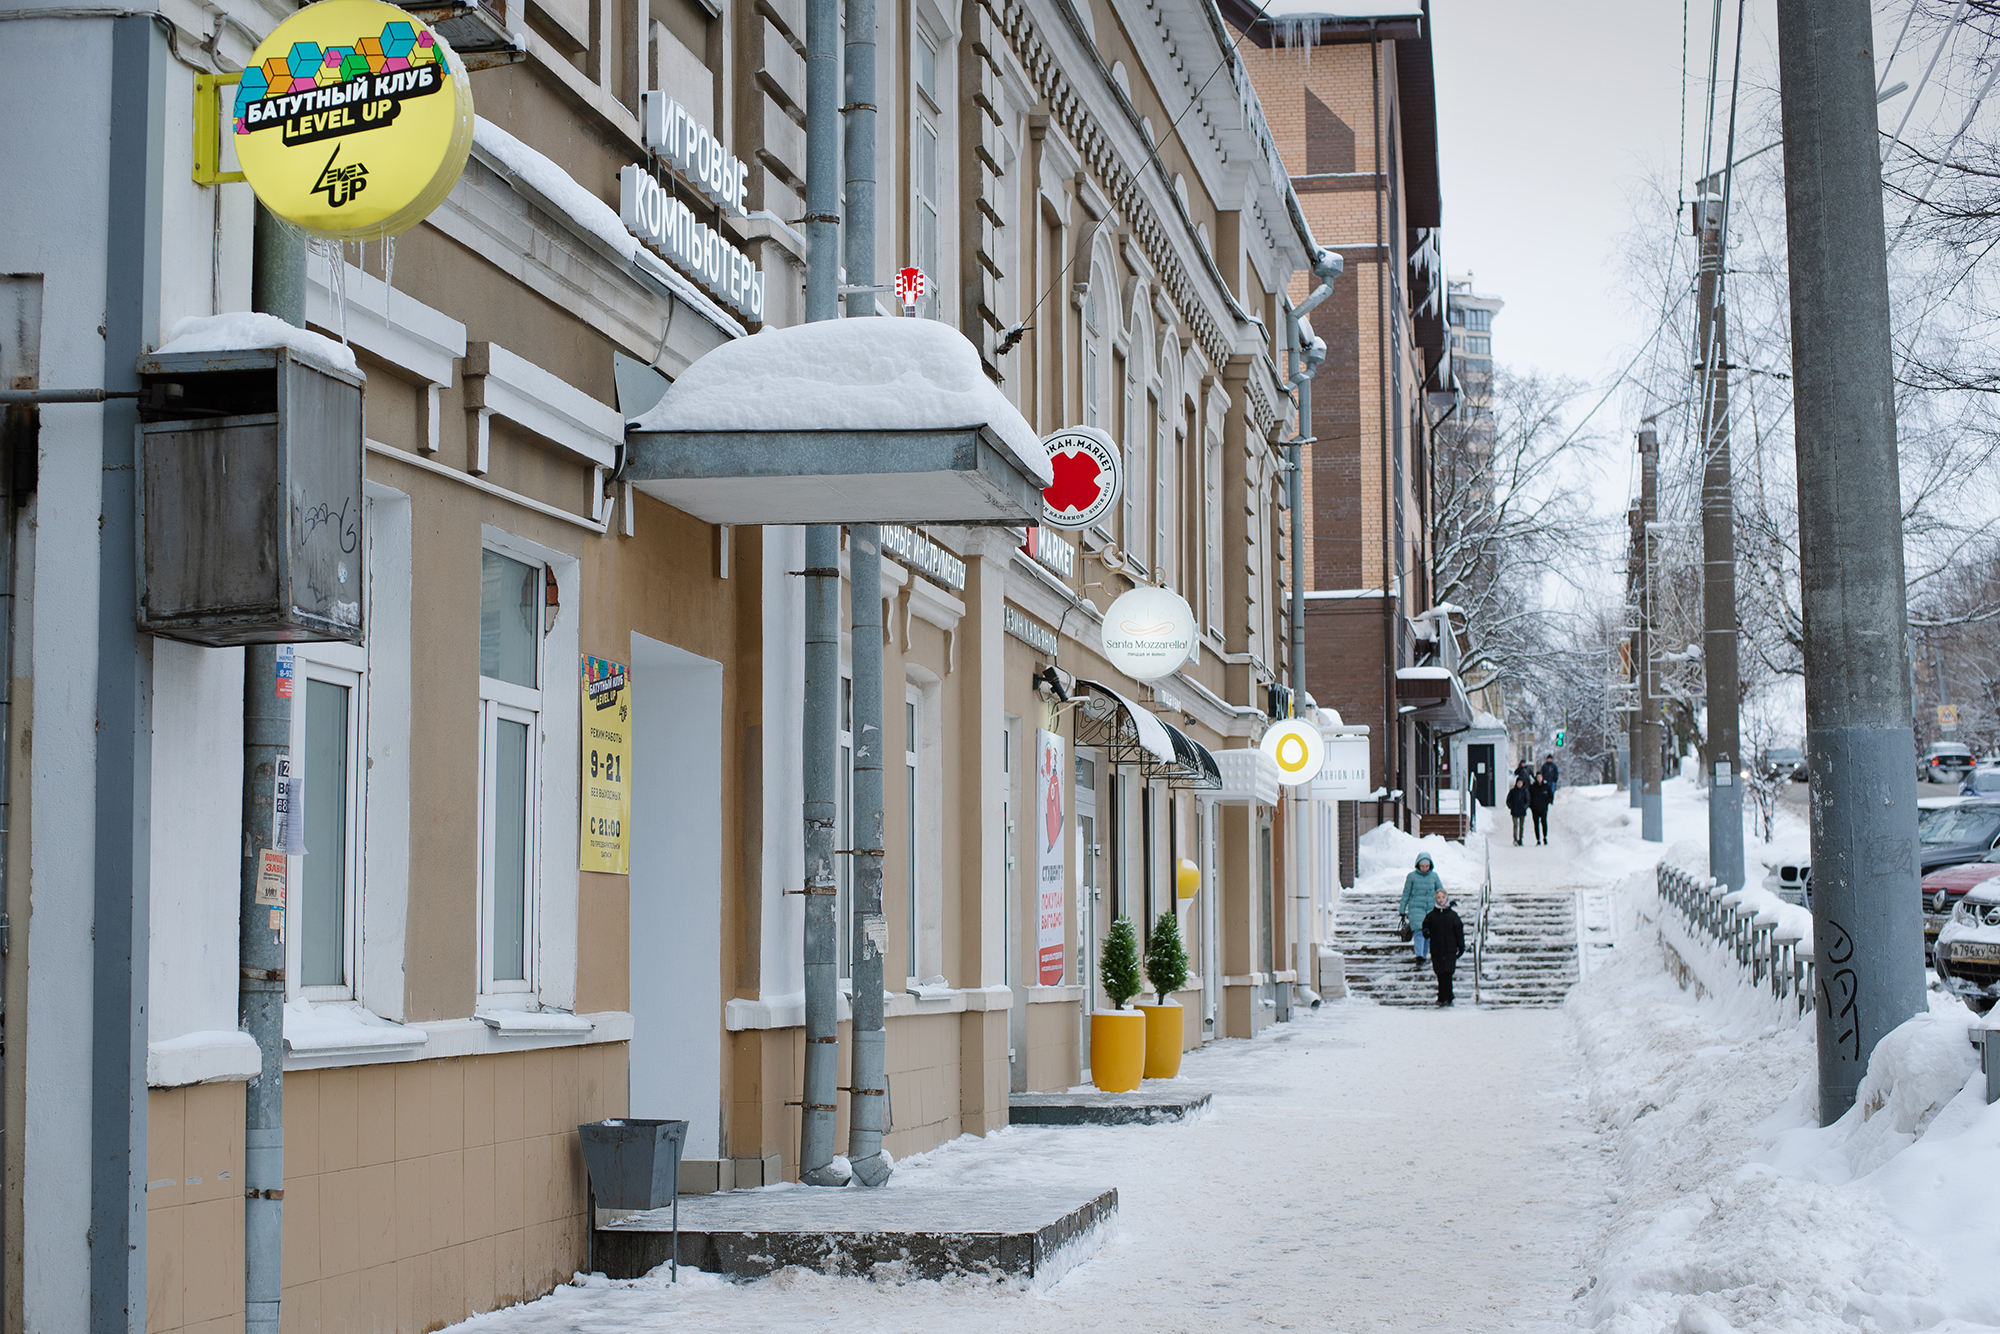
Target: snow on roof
{"type": "Point", "coordinates": [1423, 673]}
{"type": "Point", "coordinates": [869, 374]}
{"type": "Point", "coordinates": [242, 330]}
{"type": "Point", "coordinates": [1339, 9]}
{"type": "Point", "coordinates": [590, 214]}
{"type": "Point", "coordinates": [1487, 722]}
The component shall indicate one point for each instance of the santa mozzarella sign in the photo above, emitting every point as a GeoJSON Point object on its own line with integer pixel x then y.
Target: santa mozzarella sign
{"type": "Point", "coordinates": [1089, 474]}
{"type": "Point", "coordinates": [353, 120]}
{"type": "Point", "coordinates": [1148, 633]}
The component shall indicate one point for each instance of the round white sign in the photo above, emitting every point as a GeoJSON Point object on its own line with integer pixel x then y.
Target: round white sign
{"type": "Point", "coordinates": [1089, 473]}
{"type": "Point", "coordinates": [1148, 633]}
{"type": "Point", "coordinates": [1297, 748]}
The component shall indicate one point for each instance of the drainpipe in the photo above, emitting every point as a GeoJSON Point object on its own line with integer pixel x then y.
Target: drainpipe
{"type": "Point", "coordinates": [822, 681]}
{"type": "Point", "coordinates": [10, 508]}
{"type": "Point", "coordinates": [278, 288]}
{"type": "Point", "coordinates": [1307, 352]}
{"type": "Point", "coordinates": [1392, 731]}
{"type": "Point", "coordinates": [868, 1096]}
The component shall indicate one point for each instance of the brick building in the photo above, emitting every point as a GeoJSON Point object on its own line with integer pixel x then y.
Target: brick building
{"type": "Point", "coordinates": [1349, 91]}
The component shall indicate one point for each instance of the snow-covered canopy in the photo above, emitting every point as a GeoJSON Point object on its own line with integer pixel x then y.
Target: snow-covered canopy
{"type": "Point", "coordinates": [242, 331]}
{"type": "Point", "coordinates": [880, 374]}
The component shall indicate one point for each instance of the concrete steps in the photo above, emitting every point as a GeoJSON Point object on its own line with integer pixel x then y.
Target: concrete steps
{"type": "Point", "coordinates": [1530, 957]}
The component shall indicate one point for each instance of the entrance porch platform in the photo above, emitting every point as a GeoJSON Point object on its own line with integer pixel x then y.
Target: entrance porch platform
{"type": "Point", "coordinates": [1023, 1235]}
{"type": "Point", "coordinates": [1154, 1101]}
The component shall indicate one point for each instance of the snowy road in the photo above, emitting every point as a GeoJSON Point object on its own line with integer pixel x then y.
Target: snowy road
{"type": "Point", "coordinates": [1364, 1168]}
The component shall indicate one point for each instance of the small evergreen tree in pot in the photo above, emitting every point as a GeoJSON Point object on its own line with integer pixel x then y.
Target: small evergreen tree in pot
{"type": "Point", "coordinates": [1166, 957]}
{"type": "Point", "coordinates": [1121, 963]}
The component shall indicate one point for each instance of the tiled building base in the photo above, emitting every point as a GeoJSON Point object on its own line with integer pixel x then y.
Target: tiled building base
{"type": "Point", "coordinates": [416, 1193]}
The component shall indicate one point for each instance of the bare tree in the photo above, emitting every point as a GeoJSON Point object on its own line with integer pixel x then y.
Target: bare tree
{"type": "Point", "coordinates": [1509, 513]}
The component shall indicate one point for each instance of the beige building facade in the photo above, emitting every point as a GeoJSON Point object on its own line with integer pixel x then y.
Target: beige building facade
{"type": "Point", "coordinates": [1104, 215]}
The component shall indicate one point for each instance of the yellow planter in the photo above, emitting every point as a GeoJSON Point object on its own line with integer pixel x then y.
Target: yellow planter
{"type": "Point", "coordinates": [1117, 1050]}
{"type": "Point", "coordinates": [1166, 1029]}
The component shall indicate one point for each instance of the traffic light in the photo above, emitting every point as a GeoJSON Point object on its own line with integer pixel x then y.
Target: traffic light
{"type": "Point", "coordinates": [1561, 736]}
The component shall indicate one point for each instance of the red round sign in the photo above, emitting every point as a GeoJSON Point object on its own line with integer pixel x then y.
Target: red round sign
{"type": "Point", "coordinates": [1089, 475]}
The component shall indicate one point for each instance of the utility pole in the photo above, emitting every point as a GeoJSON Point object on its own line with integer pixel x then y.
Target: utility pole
{"type": "Point", "coordinates": [1718, 548]}
{"type": "Point", "coordinates": [1859, 744]}
{"type": "Point", "coordinates": [1634, 554]}
{"type": "Point", "coordinates": [1651, 826]}
{"type": "Point", "coordinates": [277, 287]}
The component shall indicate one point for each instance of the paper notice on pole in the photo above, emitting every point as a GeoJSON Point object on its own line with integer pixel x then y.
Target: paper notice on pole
{"type": "Point", "coordinates": [272, 865]}
{"type": "Point", "coordinates": [607, 758]}
{"type": "Point", "coordinates": [1051, 829]}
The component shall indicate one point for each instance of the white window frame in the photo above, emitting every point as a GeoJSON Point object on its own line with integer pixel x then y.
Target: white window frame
{"type": "Point", "coordinates": [505, 700]}
{"type": "Point", "coordinates": [343, 665]}
{"type": "Point", "coordinates": [1212, 532]}
{"type": "Point", "coordinates": [927, 116]}
{"type": "Point", "coordinates": [915, 845]}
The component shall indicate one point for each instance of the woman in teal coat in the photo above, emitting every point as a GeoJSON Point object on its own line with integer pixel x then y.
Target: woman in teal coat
{"type": "Point", "coordinates": [1420, 887]}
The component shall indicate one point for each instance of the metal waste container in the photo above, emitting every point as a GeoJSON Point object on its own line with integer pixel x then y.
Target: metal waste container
{"type": "Point", "coordinates": [635, 1163]}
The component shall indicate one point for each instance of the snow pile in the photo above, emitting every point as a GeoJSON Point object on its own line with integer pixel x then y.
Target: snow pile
{"type": "Point", "coordinates": [1386, 854]}
{"type": "Point", "coordinates": [853, 375]}
{"type": "Point", "coordinates": [242, 330]}
{"type": "Point", "coordinates": [1735, 1210]}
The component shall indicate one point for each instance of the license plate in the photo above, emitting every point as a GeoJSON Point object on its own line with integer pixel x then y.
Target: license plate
{"type": "Point", "coordinates": [1976, 949]}
{"type": "Point", "coordinates": [1934, 923]}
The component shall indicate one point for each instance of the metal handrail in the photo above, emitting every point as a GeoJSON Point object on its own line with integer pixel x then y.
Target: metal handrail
{"type": "Point", "coordinates": [1479, 932]}
{"type": "Point", "coordinates": [1778, 964]}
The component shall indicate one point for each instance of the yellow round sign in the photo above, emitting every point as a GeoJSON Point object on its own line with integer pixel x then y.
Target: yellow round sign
{"type": "Point", "coordinates": [353, 120]}
{"type": "Point", "coordinates": [1298, 750]}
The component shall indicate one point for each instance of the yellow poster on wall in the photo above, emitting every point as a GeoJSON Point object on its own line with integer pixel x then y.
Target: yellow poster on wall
{"type": "Point", "coordinates": [353, 120]}
{"type": "Point", "coordinates": [607, 759]}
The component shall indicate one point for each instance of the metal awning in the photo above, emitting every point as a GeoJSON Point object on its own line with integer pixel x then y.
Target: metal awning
{"type": "Point", "coordinates": [1130, 735]}
{"type": "Point", "coordinates": [1436, 697]}
{"type": "Point", "coordinates": [842, 421]}
{"type": "Point", "coordinates": [911, 477]}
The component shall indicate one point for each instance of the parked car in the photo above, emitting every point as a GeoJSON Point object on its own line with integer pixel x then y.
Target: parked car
{"type": "Point", "coordinates": [1945, 762]}
{"type": "Point", "coordinates": [1958, 834]}
{"type": "Point", "coordinates": [1968, 948]}
{"type": "Point", "coordinates": [1782, 762]}
{"type": "Point", "coordinates": [1983, 781]}
{"type": "Point", "coordinates": [1943, 889]}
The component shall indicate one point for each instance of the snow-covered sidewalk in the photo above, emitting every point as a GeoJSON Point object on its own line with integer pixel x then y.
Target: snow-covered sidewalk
{"type": "Point", "coordinates": [1642, 1160]}
{"type": "Point", "coordinates": [1362, 1168]}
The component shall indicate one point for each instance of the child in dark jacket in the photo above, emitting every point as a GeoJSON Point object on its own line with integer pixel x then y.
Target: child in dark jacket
{"type": "Point", "coordinates": [1447, 936]}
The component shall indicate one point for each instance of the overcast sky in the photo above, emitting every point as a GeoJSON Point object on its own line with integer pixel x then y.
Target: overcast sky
{"type": "Point", "coordinates": [1551, 114]}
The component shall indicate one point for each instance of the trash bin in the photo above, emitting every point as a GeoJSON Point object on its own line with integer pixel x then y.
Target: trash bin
{"type": "Point", "coordinates": [634, 1163]}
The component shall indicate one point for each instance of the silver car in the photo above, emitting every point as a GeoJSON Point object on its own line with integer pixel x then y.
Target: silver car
{"type": "Point", "coordinates": [1967, 957]}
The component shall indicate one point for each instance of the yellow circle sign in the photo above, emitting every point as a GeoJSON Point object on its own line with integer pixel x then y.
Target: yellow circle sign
{"type": "Point", "coordinates": [1297, 749]}
{"type": "Point", "coordinates": [353, 120]}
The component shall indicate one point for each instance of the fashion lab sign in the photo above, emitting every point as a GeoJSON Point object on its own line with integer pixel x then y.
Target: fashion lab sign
{"type": "Point", "coordinates": [670, 227]}
{"type": "Point", "coordinates": [353, 120]}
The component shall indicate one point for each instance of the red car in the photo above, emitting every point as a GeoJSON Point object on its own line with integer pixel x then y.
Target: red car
{"type": "Point", "coordinates": [1943, 888]}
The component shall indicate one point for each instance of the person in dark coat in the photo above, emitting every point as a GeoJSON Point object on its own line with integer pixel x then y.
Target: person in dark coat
{"type": "Point", "coordinates": [1539, 797]}
{"type": "Point", "coordinates": [1447, 936]}
{"type": "Point", "coordinates": [1550, 774]}
{"type": "Point", "coordinates": [1517, 806]}
{"type": "Point", "coordinates": [1524, 770]}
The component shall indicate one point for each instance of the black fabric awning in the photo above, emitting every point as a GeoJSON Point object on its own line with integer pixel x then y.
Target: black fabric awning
{"type": "Point", "coordinates": [1129, 734]}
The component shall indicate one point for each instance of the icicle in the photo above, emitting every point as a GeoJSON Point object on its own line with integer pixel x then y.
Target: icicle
{"type": "Point", "coordinates": [335, 255]}
{"type": "Point", "coordinates": [388, 274]}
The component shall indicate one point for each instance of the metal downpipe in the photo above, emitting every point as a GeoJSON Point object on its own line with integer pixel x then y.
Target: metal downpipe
{"type": "Point", "coordinates": [278, 279]}
{"type": "Point", "coordinates": [822, 960]}
{"type": "Point", "coordinates": [1307, 353]}
{"type": "Point", "coordinates": [868, 1096]}
{"type": "Point", "coordinates": [820, 735]}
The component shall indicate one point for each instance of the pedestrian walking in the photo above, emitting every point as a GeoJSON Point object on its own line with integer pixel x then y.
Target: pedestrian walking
{"type": "Point", "coordinates": [1517, 806]}
{"type": "Point", "coordinates": [1447, 936]}
{"type": "Point", "coordinates": [1524, 770]}
{"type": "Point", "coordinates": [1550, 774]}
{"type": "Point", "coordinates": [1419, 887]}
{"type": "Point", "coordinates": [1539, 797]}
